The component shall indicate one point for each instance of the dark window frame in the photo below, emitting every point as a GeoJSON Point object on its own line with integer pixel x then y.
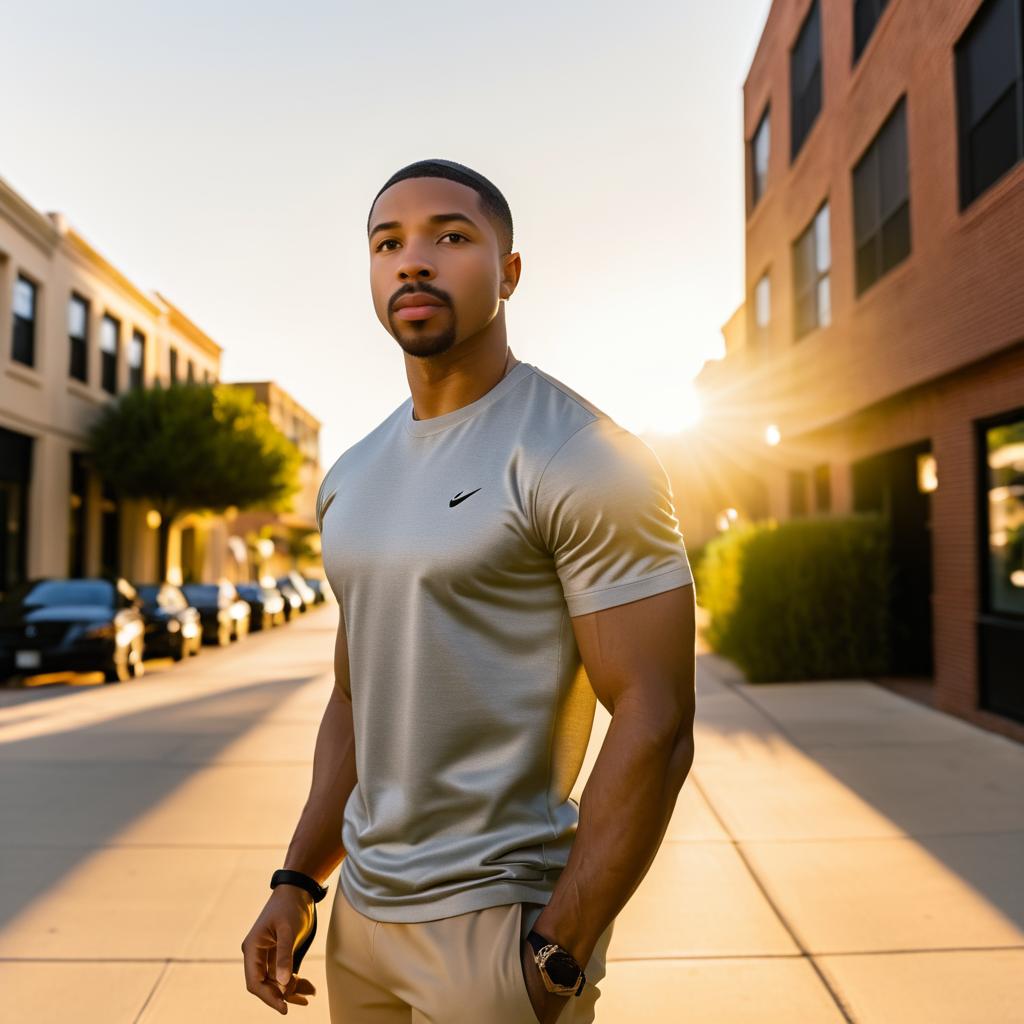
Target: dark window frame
{"type": "Point", "coordinates": [799, 293]}
{"type": "Point", "coordinates": [882, 236]}
{"type": "Point", "coordinates": [23, 329]}
{"type": "Point", "coordinates": [806, 99]}
{"type": "Point", "coordinates": [764, 124]}
{"type": "Point", "coordinates": [866, 16]}
{"type": "Point", "coordinates": [137, 374]}
{"type": "Point", "coordinates": [78, 345]}
{"type": "Point", "coordinates": [109, 360]}
{"type": "Point", "coordinates": [172, 364]}
{"type": "Point", "coordinates": [821, 482]}
{"type": "Point", "coordinates": [758, 336]}
{"type": "Point", "coordinates": [982, 487]}
{"type": "Point", "coordinates": [971, 188]}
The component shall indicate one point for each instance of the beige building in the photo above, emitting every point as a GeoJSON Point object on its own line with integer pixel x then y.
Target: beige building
{"type": "Point", "coordinates": [74, 333]}
{"type": "Point", "coordinates": [287, 539]}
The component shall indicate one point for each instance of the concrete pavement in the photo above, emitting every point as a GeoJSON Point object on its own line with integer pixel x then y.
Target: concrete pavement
{"type": "Point", "coordinates": [838, 852]}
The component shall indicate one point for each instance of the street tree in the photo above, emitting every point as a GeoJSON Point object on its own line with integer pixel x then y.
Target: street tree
{"type": "Point", "coordinates": [194, 447]}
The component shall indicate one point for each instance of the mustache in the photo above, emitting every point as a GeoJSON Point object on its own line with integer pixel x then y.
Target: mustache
{"type": "Point", "coordinates": [426, 289]}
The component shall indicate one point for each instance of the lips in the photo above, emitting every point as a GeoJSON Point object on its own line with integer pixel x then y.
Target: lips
{"type": "Point", "coordinates": [417, 306]}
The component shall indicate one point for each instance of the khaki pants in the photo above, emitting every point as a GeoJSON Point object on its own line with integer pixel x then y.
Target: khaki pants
{"type": "Point", "coordinates": [464, 969]}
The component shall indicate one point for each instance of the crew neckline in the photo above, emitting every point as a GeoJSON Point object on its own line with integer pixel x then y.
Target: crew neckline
{"type": "Point", "coordinates": [435, 424]}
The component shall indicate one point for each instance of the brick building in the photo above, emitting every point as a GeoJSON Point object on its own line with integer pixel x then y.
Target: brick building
{"type": "Point", "coordinates": [877, 362]}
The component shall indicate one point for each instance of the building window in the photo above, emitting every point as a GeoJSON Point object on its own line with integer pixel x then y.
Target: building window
{"type": "Point", "coordinates": [110, 342]}
{"type": "Point", "coordinates": [797, 492]}
{"type": "Point", "coordinates": [23, 342]}
{"type": "Point", "coordinates": [865, 16]}
{"type": "Point", "coordinates": [16, 460]}
{"type": "Point", "coordinates": [1003, 497]}
{"type": "Point", "coordinates": [822, 488]}
{"type": "Point", "coordinates": [206, 376]}
{"type": "Point", "coordinates": [761, 312]}
{"type": "Point", "coordinates": [760, 146]}
{"type": "Point", "coordinates": [136, 359]}
{"type": "Point", "coordinates": [990, 104]}
{"type": "Point", "coordinates": [812, 260]}
{"type": "Point", "coordinates": [78, 337]}
{"type": "Point", "coordinates": [191, 373]}
{"type": "Point", "coordinates": [805, 79]}
{"type": "Point", "coordinates": [881, 201]}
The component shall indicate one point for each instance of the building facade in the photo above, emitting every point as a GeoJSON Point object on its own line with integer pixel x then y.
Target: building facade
{"type": "Point", "coordinates": [877, 362]}
{"type": "Point", "coordinates": [289, 539]}
{"type": "Point", "coordinates": [75, 332]}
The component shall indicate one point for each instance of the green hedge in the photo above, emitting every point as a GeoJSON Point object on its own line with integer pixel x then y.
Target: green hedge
{"type": "Point", "coordinates": [804, 599]}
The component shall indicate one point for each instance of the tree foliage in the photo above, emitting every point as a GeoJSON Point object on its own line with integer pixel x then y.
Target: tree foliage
{"type": "Point", "coordinates": [195, 447]}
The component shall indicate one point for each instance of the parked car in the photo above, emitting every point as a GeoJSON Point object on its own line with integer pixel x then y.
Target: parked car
{"type": "Point", "coordinates": [267, 604]}
{"type": "Point", "coordinates": [53, 624]}
{"type": "Point", "coordinates": [317, 586]}
{"type": "Point", "coordinates": [224, 615]}
{"type": "Point", "coordinates": [302, 588]}
{"type": "Point", "coordinates": [174, 628]}
{"type": "Point", "coordinates": [293, 603]}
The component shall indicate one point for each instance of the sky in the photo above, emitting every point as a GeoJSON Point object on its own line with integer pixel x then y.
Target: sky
{"type": "Point", "coordinates": [226, 154]}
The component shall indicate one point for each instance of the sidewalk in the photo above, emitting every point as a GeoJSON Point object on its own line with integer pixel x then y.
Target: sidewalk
{"type": "Point", "coordinates": [838, 852]}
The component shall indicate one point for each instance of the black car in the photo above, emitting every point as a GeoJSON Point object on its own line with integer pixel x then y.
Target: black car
{"type": "Point", "coordinates": [293, 603]}
{"type": "Point", "coordinates": [224, 615]}
{"type": "Point", "coordinates": [72, 625]}
{"type": "Point", "coordinates": [317, 586]}
{"type": "Point", "coordinates": [293, 580]}
{"type": "Point", "coordinates": [173, 627]}
{"type": "Point", "coordinates": [267, 604]}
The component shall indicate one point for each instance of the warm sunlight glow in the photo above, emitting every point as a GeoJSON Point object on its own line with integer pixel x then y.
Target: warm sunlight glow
{"type": "Point", "coordinates": [772, 436]}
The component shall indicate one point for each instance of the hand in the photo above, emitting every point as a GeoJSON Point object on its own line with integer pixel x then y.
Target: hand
{"type": "Point", "coordinates": [269, 947]}
{"type": "Point", "coordinates": [546, 1005]}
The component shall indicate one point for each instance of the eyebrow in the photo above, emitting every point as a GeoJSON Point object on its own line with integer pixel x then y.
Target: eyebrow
{"type": "Point", "coordinates": [437, 218]}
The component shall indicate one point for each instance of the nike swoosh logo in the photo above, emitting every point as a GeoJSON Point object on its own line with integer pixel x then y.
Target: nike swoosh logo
{"type": "Point", "coordinates": [454, 501]}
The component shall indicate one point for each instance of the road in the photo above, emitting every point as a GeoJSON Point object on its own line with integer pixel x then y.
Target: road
{"type": "Point", "coordinates": [838, 852]}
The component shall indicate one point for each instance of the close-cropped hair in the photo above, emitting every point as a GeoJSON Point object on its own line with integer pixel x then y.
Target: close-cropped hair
{"type": "Point", "coordinates": [491, 199]}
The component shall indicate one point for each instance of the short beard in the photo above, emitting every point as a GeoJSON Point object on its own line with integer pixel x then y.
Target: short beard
{"type": "Point", "coordinates": [425, 346]}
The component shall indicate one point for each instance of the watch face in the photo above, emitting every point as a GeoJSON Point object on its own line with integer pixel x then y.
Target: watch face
{"type": "Point", "coordinates": [562, 969]}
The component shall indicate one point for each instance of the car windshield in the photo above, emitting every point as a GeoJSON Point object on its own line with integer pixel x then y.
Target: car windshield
{"type": "Point", "coordinates": [48, 593]}
{"type": "Point", "coordinates": [201, 591]}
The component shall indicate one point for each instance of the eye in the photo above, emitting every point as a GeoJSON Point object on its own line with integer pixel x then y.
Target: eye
{"type": "Point", "coordinates": [385, 242]}
{"type": "Point", "coordinates": [457, 234]}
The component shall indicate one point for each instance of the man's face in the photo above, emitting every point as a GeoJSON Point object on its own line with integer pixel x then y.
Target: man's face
{"type": "Point", "coordinates": [429, 235]}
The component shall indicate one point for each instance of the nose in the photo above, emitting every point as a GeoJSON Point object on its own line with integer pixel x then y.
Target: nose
{"type": "Point", "coordinates": [415, 268]}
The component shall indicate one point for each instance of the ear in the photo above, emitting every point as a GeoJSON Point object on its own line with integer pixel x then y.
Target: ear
{"type": "Point", "coordinates": [511, 269]}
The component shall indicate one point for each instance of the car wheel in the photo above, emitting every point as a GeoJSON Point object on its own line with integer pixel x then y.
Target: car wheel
{"type": "Point", "coordinates": [117, 671]}
{"type": "Point", "coordinates": [181, 650]}
{"type": "Point", "coordinates": [137, 665]}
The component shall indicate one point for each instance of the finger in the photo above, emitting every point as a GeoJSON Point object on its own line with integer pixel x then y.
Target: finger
{"type": "Point", "coordinates": [256, 980]}
{"type": "Point", "coordinates": [301, 985]}
{"type": "Point", "coordinates": [297, 990]}
{"type": "Point", "coordinates": [285, 953]}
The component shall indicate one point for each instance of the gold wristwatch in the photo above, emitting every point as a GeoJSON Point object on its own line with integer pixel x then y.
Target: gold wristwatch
{"type": "Point", "coordinates": [558, 967]}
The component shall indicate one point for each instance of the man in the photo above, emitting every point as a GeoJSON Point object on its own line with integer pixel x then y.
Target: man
{"type": "Point", "coordinates": [502, 551]}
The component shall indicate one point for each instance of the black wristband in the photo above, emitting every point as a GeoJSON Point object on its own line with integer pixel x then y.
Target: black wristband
{"type": "Point", "coordinates": [285, 877]}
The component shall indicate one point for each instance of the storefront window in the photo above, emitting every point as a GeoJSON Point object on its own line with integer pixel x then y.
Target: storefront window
{"type": "Point", "coordinates": [1004, 447]}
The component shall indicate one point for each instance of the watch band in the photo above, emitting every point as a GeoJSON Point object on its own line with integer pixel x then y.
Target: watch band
{"type": "Point", "coordinates": [285, 877]}
{"type": "Point", "coordinates": [538, 942]}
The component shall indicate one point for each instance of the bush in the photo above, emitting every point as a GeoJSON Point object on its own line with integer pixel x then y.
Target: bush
{"type": "Point", "coordinates": [804, 599]}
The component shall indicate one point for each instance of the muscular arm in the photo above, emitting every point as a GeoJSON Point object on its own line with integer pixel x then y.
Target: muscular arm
{"type": "Point", "coordinates": [316, 847]}
{"type": "Point", "coordinates": [640, 660]}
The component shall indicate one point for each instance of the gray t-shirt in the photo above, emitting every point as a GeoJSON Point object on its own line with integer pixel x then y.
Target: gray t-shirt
{"type": "Point", "coordinates": [459, 546]}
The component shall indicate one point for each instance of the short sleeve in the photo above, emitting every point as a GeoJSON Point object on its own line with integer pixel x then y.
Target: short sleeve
{"type": "Point", "coordinates": [605, 512]}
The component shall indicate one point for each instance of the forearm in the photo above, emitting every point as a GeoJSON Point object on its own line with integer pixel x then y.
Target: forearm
{"type": "Point", "coordinates": [624, 813]}
{"type": "Point", "coordinates": [316, 846]}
